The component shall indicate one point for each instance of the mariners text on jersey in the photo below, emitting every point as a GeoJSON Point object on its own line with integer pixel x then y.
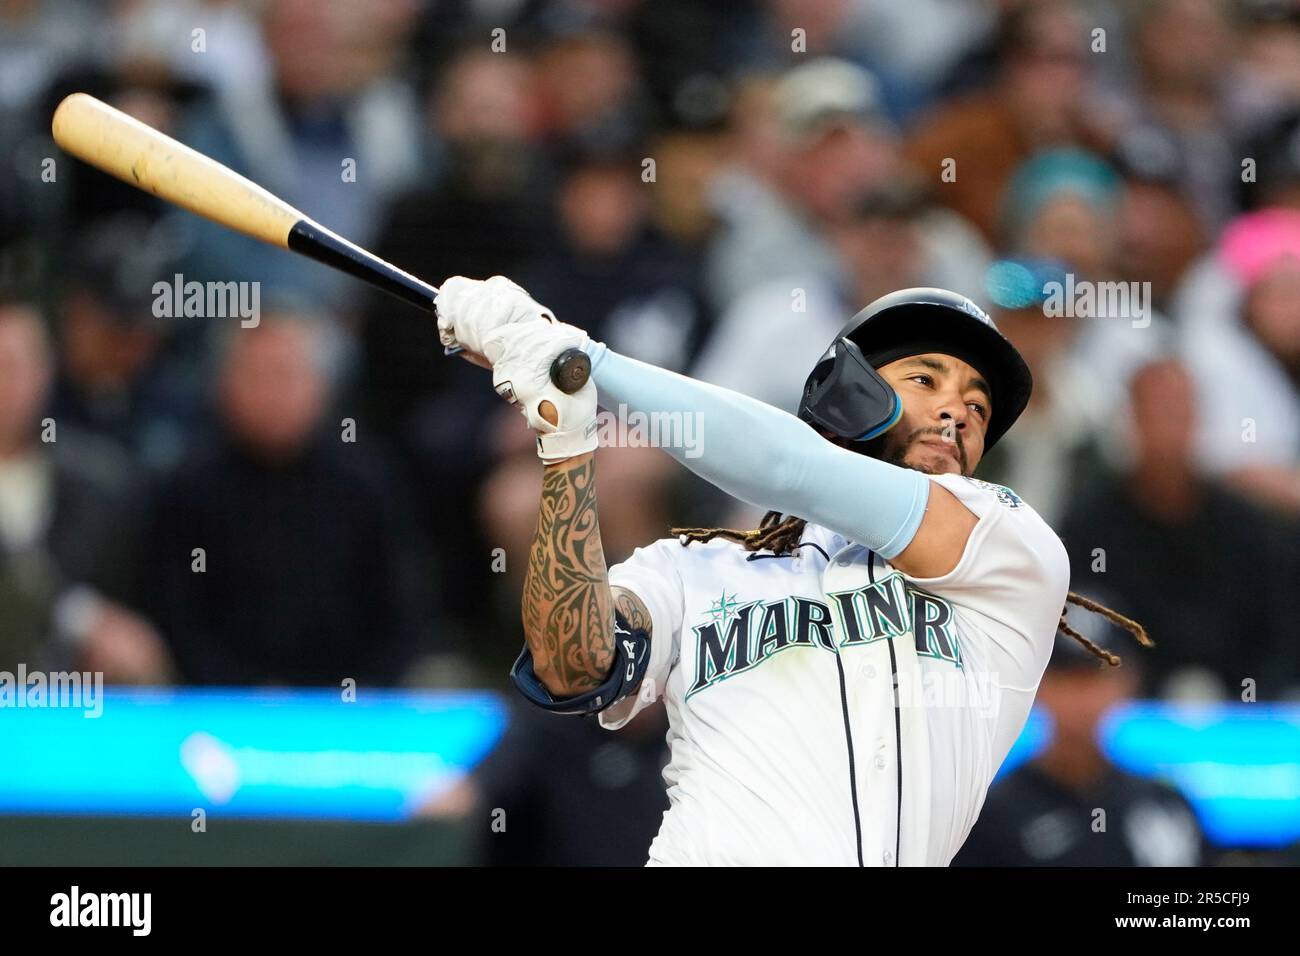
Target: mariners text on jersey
{"type": "Point", "coordinates": [826, 708]}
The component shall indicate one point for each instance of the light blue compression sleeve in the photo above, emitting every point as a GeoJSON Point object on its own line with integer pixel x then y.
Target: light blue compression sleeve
{"type": "Point", "coordinates": [771, 459]}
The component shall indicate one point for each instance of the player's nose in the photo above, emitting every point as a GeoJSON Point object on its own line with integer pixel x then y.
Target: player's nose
{"type": "Point", "coordinates": [952, 411]}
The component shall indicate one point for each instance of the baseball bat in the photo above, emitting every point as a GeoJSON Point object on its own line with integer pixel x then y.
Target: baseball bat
{"type": "Point", "coordinates": [141, 156]}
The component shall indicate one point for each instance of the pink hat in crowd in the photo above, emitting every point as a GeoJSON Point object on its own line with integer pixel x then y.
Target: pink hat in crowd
{"type": "Point", "coordinates": [1252, 244]}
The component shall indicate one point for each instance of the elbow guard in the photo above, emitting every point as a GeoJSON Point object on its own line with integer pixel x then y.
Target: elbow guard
{"type": "Point", "coordinates": [631, 658]}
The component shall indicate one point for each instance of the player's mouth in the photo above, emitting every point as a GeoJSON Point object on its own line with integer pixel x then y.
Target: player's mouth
{"type": "Point", "coordinates": [943, 444]}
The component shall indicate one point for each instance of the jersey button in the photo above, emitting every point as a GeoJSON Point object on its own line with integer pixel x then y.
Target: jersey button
{"type": "Point", "coordinates": [880, 761]}
{"type": "Point", "coordinates": [888, 858]}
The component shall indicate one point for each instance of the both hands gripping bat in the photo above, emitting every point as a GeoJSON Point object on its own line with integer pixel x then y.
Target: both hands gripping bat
{"type": "Point", "coordinates": [139, 155]}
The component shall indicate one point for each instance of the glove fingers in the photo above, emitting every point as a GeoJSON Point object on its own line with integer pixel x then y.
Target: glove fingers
{"type": "Point", "coordinates": [470, 310]}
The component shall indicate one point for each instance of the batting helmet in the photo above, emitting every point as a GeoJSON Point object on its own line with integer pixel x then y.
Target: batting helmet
{"type": "Point", "coordinates": [845, 394]}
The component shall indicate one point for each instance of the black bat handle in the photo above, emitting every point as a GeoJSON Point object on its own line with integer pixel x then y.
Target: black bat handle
{"type": "Point", "coordinates": [569, 371]}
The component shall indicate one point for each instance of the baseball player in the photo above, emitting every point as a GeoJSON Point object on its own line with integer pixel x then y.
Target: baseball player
{"type": "Point", "coordinates": [843, 682]}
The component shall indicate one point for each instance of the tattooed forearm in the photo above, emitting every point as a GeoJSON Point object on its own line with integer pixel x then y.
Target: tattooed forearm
{"type": "Point", "coordinates": [568, 610]}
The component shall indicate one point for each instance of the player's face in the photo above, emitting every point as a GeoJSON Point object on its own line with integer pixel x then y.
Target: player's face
{"type": "Point", "coordinates": [946, 408]}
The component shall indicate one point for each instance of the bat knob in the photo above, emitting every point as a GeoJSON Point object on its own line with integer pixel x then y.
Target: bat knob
{"type": "Point", "coordinates": [570, 370]}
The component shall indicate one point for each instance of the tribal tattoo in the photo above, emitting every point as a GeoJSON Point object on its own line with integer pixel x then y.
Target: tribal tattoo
{"type": "Point", "coordinates": [632, 610]}
{"type": "Point", "coordinates": [568, 609]}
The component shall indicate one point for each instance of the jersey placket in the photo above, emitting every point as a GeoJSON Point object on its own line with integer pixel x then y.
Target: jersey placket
{"type": "Point", "coordinates": [868, 701]}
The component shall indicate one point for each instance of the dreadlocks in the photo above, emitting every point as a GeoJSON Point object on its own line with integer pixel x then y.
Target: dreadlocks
{"type": "Point", "coordinates": [781, 534]}
{"type": "Point", "coordinates": [773, 534]}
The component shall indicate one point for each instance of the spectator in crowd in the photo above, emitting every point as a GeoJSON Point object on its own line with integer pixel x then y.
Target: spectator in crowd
{"type": "Point", "coordinates": [1106, 34]}
{"type": "Point", "coordinates": [686, 163]}
{"type": "Point", "coordinates": [609, 271]}
{"type": "Point", "coordinates": [333, 132]}
{"type": "Point", "coordinates": [142, 36]}
{"type": "Point", "coordinates": [1182, 92]}
{"type": "Point", "coordinates": [791, 32]}
{"type": "Point", "coordinates": [923, 43]}
{"type": "Point", "coordinates": [1160, 235]}
{"type": "Point", "coordinates": [970, 147]}
{"type": "Point", "coordinates": [825, 142]}
{"type": "Point", "coordinates": [39, 39]}
{"type": "Point", "coordinates": [115, 376]}
{"type": "Point", "coordinates": [285, 554]}
{"type": "Point", "coordinates": [1061, 205]}
{"type": "Point", "coordinates": [1265, 88]}
{"type": "Point", "coordinates": [1061, 220]}
{"type": "Point", "coordinates": [587, 88]}
{"type": "Point", "coordinates": [687, 53]}
{"type": "Point", "coordinates": [1207, 572]}
{"type": "Point", "coordinates": [1243, 344]}
{"type": "Point", "coordinates": [817, 148]}
{"type": "Point", "coordinates": [78, 200]}
{"type": "Point", "coordinates": [67, 524]}
{"type": "Point", "coordinates": [1070, 805]}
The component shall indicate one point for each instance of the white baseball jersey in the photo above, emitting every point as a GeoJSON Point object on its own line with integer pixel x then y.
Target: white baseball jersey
{"type": "Point", "coordinates": [825, 708]}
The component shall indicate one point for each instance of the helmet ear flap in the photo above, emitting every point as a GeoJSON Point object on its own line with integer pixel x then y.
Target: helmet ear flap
{"type": "Point", "coordinates": [847, 397]}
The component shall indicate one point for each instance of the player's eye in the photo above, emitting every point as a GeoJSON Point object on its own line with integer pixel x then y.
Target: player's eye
{"type": "Point", "coordinates": [979, 409]}
{"type": "Point", "coordinates": [923, 379]}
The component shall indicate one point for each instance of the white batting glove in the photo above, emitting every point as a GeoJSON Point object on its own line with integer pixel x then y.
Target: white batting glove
{"type": "Point", "coordinates": [521, 374]}
{"type": "Point", "coordinates": [471, 310]}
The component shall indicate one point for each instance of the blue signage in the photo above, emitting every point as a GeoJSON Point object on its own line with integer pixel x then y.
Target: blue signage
{"type": "Point", "coordinates": [244, 752]}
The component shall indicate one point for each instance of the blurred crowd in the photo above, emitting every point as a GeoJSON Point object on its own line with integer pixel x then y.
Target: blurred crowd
{"type": "Point", "coordinates": [712, 187]}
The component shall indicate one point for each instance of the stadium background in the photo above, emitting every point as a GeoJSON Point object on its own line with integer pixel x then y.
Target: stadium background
{"type": "Point", "coordinates": [712, 187]}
